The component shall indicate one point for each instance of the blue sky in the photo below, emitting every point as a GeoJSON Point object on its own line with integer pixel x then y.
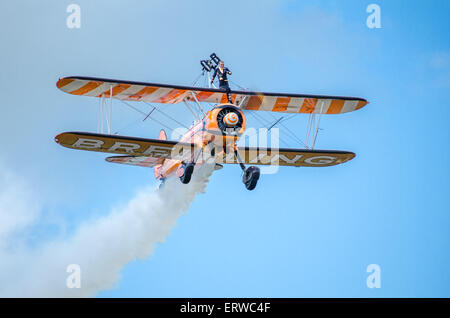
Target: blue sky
{"type": "Point", "coordinates": [302, 232]}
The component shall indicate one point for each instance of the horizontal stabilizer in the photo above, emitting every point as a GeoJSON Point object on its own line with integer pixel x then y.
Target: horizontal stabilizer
{"type": "Point", "coordinates": [136, 161]}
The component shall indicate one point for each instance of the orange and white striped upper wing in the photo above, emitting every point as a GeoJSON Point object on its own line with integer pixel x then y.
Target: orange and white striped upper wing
{"type": "Point", "coordinates": [131, 91]}
{"type": "Point", "coordinates": [303, 103]}
{"type": "Point", "coordinates": [172, 94]}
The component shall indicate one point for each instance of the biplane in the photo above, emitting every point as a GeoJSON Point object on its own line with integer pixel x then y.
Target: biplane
{"type": "Point", "coordinates": [213, 135]}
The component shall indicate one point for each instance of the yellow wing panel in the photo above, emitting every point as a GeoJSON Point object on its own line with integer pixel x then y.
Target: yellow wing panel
{"type": "Point", "coordinates": [172, 94]}
{"type": "Point", "coordinates": [289, 157]}
{"type": "Point", "coordinates": [131, 146]}
{"type": "Point", "coordinates": [149, 152]}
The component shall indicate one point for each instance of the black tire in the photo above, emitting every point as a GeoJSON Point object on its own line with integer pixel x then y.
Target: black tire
{"type": "Point", "coordinates": [188, 170]}
{"type": "Point", "coordinates": [251, 177]}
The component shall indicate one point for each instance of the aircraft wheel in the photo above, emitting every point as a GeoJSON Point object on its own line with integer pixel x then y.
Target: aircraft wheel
{"type": "Point", "coordinates": [161, 185]}
{"type": "Point", "coordinates": [188, 170]}
{"type": "Point", "coordinates": [251, 177]}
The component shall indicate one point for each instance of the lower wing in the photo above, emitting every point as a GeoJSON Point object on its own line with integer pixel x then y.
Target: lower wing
{"type": "Point", "coordinates": [288, 157]}
{"type": "Point", "coordinates": [149, 152]}
{"type": "Point", "coordinates": [149, 162]}
{"type": "Point", "coordinates": [132, 146]}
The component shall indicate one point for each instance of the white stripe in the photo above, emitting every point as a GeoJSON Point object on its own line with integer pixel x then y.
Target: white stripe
{"type": "Point", "coordinates": [100, 89]}
{"type": "Point", "coordinates": [322, 105]}
{"type": "Point", "coordinates": [349, 106]}
{"type": "Point", "coordinates": [157, 94]}
{"type": "Point", "coordinates": [76, 84]}
{"type": "Point", "coordinates": [268, 103]}
{"type": "Point", "coordinates": [142, 160]}
{"type": "Point", "coordinates": [132, 90]}
{"type": "Point", "coordinates": [214, 98]}
{"type": "Point", "coordinates": [238, 99]}
{"type": "Point", "coordinates": [245, 102]}
{"type": "Point", "coordinates": [294, 105]}
{"type": "Point", "coordinates": [180, 98]}
{"type": "Point", "coordinates": [136, 160]}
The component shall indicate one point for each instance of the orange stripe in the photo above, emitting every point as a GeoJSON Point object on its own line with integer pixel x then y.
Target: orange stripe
{"type": "Point", "coordinates": [308, 105]}
{"type": "Point", "coordinates": [63, 82]}
{"type": "Point", "coordinates": [116, 90]}
{"type": "Point", "coordinates": [254, 102]}
{"type": "Point", "coordinates": [120, 160]}
{"type": "Point", "coordinates": [171, 168]}
{"type": "Point", "coordinates": [361, 104]}
{"type": "Point", "coordinates": [281, 104]}
{"type": "Point", "coordinates": [148, 90]}
{"type": "Point", "coordinates": [164, 97]}
{"type": "Point", "coordinates": [86, 88]}
{"type": "Point", "coordinates": [335, 106]}
{"type": "Point", "coordinates": [169, 96]}
{"type": "Point", "coordinates": [120, 88]}
{"type": "Point", "coordinates": [177, 95]}
{"type": "Point", "coordinates": [224, 98]}
{"type": "Point", "coordinates": [203, 95]}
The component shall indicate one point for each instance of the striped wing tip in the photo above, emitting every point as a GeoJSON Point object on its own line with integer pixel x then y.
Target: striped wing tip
{"type": "Point", "coordinates": [63, 82]}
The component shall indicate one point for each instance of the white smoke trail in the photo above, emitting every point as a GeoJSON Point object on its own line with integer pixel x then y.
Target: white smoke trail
{"type": "Point", "coordinates": [101, 248]}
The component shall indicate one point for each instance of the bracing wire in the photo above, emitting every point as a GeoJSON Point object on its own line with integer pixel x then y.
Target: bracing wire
{"type": "Point", "coordinates": [279, 121]}
{"type": "Point", "coordinates": [292, 134]}
{"type": "Point", "coordinates": [243, 88]}
{"type": "Point", "coordinates": [260, 120]}
{"type": "Point", "coordinates": [124, 128]}
{"type": "Point", "coordinates": [168, 116]}
{"type": "Point", "coordinates": [198, 77]}
{"type": "Point", "coordinates": [151, 118]}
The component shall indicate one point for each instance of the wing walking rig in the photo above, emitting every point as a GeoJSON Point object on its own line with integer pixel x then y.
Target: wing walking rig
{"type": "Point", "coordinates": [214, 134]}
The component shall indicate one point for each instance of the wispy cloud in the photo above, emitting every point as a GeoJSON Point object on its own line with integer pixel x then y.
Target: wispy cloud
{"type": "Point", "coordinates": [19, 206]}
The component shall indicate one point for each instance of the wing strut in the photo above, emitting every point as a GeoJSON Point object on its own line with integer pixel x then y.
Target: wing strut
{"type": "Point", "coordinates": [197, 102]}
{"type": "Point", "coordinates": [105, 114]}
{"type": "Point", "coordinates": [193, 113]}
{"type": "Point", "coordinates": [312, 129]}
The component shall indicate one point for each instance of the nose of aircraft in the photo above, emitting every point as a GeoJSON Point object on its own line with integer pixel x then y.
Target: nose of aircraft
{"type": "Point", "coordinates": [231, 119]}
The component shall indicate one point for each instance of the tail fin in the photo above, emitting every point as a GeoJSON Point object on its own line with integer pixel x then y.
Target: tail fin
{"type": "Point", "coordinates": [162, 136]}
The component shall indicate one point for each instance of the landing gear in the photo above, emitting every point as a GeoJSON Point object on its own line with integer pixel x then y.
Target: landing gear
{"type": "Point", "coordinates": [251, 177]}
{"type": "Point", "coordinates": [251, 174]}
{"type": "Point", "coordinates": [187, 170]}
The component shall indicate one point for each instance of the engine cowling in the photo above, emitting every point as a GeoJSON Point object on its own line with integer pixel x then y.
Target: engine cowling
{"type": "Point", "coordinates": [225, 123]}
{"type": "Point", "coordinates": [229, 119]}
